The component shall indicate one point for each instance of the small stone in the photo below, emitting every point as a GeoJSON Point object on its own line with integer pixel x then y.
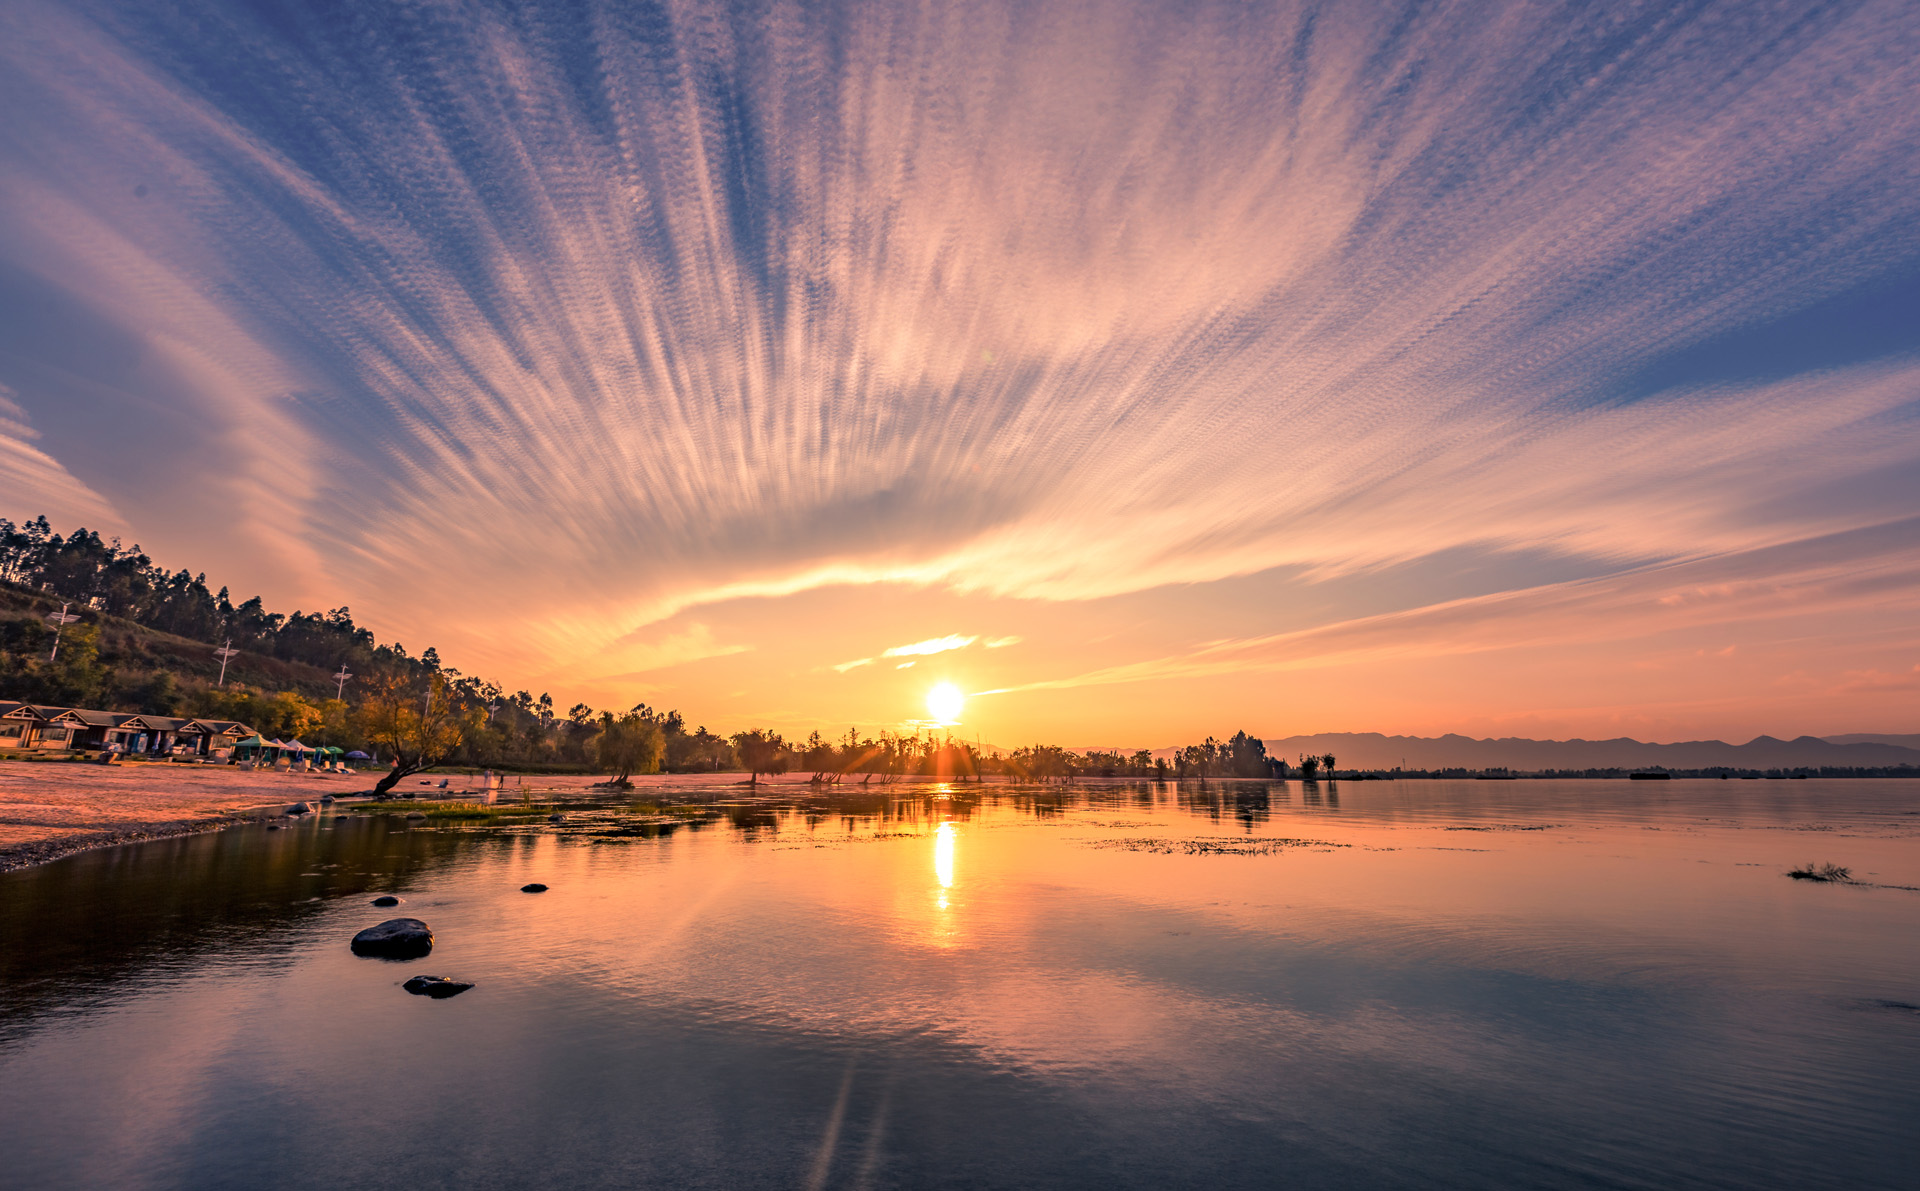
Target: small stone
{"type": "Point", "coordinates": [299, 808]}
{"type": "Point", "coordinates": [556, 817]}
{"type": "Point", "coordinates": [415, 815]}
{"type": "Point", "coordinates": [437, 987]}
{"type": "Point", "coordinates": [327, 800]}
{"type": "Point", "coordinates": [396, 938]}
{"type": "Point", "coordinates": [386, 899]}
{"type": "Point", "coordinates": [273, 827]}
{"type": "Point", "coordinates": [536, 887]}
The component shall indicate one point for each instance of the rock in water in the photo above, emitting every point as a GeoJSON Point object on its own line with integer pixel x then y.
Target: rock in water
{"type": "Point", "coordinates": [536, 887]}
{"type": "Point", "coordinates": [326, 800]}
{"type": "Point", "coordinates": [386, 899]}
{"type": "Point", "coordinates": [299, 808]}
{"type": "Point", "coordinates": [436, 987]}
{"type": "Point", "coordinates": [556, 817]}
{"type": "Point", "coordinates": [416, 815]}
{"type": "Point", "coordinates": [396, 938]}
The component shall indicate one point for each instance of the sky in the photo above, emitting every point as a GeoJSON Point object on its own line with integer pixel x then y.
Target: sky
{"type": "Point", "coordinates": [1146, 370]}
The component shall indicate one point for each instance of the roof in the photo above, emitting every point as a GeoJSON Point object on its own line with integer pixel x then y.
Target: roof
{"type": "Point", "coordinates": [123, 720]}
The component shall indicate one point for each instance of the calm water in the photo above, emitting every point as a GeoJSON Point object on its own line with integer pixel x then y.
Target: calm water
{"type": "Point", "coordinates": [1473, 984]}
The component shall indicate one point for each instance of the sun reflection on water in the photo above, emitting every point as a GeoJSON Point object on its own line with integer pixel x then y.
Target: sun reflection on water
{"type": "Point", "coordinates": [943, 860]}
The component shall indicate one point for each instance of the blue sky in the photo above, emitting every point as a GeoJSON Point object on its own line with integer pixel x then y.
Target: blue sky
{"type": "Point", "coordinates": [1308, 367]}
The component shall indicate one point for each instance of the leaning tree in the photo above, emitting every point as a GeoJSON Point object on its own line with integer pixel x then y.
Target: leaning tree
{"type": "Point", "coordinates": [418, 729]}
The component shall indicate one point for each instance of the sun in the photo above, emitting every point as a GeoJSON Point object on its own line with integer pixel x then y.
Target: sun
{"type": "Point", "coordinates": [945, 702]}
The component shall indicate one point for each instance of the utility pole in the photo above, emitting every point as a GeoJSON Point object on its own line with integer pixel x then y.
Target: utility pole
{"type": "Point", "coordinates": [340, 682]}
{"type": "Point", "coordinates": [60, 621]}
{"type": "Point", "coordinates": [225, 653]}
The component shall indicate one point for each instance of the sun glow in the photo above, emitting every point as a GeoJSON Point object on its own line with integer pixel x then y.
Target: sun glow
{"type": "Point", "coordinates": [945, 702]}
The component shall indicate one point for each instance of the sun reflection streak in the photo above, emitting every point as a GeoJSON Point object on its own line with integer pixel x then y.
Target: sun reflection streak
{"type": "Point", "coordinates": [943, 859]}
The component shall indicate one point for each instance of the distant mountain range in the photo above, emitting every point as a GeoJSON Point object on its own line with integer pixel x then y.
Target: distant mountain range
{"type": "Point", "coordinates": [1371, 750]}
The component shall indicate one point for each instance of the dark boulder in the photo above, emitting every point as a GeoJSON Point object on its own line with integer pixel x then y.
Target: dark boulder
{"type": "Point", "coordinates": [386, 899]}
{"type": "Point", "coordinates": [437, 987]}
{"type": "Point", "coordinates": [299, 808]}
{"type": "Point", "coordinates": [556, 817]}
{"type": "Point", "coordinates": [327, 800]}
{"type": "Point", "coordinates": [396, 938]}
{"type": "Point", "coordinates": [536, 887]}
{"type": "Point", "coordinates": [416, 815]}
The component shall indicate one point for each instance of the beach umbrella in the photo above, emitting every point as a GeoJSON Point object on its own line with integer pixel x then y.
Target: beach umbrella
{"type": "Point", "coordinates": [357, 755]}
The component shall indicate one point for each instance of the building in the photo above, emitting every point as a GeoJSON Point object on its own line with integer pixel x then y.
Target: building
{"type": "Point", "coordinates": [37, 727]}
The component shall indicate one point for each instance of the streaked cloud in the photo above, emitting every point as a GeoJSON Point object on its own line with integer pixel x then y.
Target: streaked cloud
{"type": "Point", "coordinates": [1003, 642]}
{"type": "Point", "coordinates": [930, 645]}
{"type": "Point", "coordinates": [653, 311]}
{"type": "Point", "coordinates": [645, 652]}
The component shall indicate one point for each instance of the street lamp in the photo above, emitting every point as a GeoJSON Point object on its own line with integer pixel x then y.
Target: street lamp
{"type": "Point", "coordinates": [340, 682]}
{"type": "Point", "coordinates": [60, 620]}
{"type": "Point", "coordinates": [225, 653]}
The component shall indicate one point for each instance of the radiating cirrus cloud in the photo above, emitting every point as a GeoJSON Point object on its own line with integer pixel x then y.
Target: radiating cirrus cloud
{"type": "Point", "coordinates": [644, 307]}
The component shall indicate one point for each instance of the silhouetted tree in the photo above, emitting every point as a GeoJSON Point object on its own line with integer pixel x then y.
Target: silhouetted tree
{"type": "Point", "coordinates": [761, 751]}
{"type": "Point", "coordinates": [631, 744]}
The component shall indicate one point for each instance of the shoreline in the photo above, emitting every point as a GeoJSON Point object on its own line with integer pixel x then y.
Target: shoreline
{"type": "Point", "coordinates": [33, 853]}
{"type": "Point", "coordinates": [51, 810]}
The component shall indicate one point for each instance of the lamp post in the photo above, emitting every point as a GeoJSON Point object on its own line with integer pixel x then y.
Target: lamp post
{"type": "Point", "coordinates": [60, 620]}
{"type": "Point", "coordinates": [340, 682]}
{"type": "Point", "coordinates": [225, 653]}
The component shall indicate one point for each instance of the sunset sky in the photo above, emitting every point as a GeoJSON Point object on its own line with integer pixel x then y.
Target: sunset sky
{"type": "Point", "coordinates": [1162, 369]}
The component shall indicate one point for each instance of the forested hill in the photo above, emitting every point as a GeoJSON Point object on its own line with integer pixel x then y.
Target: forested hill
{"type": "Point", "coordinates": [105, 578]}
{"type": "Point", "coordinates": [1371, 750]}
{"type": "Point", "coordinates": [116, 663]}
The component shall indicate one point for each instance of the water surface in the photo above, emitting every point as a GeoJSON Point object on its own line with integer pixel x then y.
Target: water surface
{"type": "Point", "coordinates": [1413, 984]}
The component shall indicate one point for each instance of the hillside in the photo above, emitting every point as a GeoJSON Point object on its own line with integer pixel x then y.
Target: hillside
{"type": "Point", "coordinates": [131, 648]}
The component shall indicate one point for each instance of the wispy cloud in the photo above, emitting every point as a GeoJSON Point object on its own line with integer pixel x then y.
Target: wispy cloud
{"type": "Point", "coordinates": [930, 645]}
{"type": "Point", "coordinates": [644, 653]}
{"type": "Point", "coordinates": [1003, 642]}
{"type": "Point", "coordinates": [1055, 310]}
{"type": "Point", "coordinates": [855, 664]}
{"type": "Point", "coordinates": [1832, 576]}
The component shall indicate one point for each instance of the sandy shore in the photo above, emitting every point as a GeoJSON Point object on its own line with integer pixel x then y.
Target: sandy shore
{"type": "Point", "coordinates": [50, 809]}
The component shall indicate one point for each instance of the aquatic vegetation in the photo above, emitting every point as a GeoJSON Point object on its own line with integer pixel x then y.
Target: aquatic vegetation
{"type": "Point", "coordinates": [465, 811]}
{"type": "Point", "coordinates": [1822, 872]}
{"type": "Point", "coordinates": [1213, 846]}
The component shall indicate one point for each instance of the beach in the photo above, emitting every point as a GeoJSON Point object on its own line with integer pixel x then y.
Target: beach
{"type": "Point", "coordinates": [50, 809]}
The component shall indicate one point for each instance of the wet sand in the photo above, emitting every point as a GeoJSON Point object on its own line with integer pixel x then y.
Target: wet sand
{"type": "Point", "coordinates": [50, 809]}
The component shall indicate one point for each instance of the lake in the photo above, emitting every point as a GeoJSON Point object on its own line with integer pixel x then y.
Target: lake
{"type": "Point", "coordinates": [1374, 984]}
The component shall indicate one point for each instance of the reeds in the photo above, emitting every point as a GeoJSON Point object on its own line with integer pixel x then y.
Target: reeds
{"type": "Point", "coordinates": [1822, 872]}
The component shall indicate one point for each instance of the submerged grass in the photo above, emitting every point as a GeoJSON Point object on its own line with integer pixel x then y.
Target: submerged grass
{"type": "Point", "coordinates": [465, 811]}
